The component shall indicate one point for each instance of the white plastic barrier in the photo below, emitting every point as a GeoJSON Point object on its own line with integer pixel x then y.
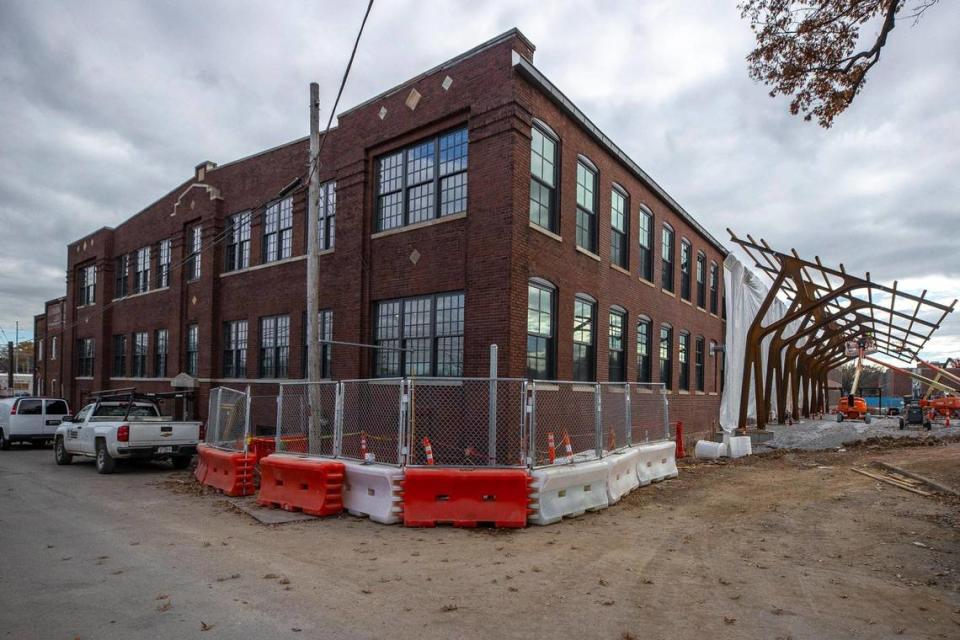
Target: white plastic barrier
{"type": "Point", "coordinates": [565, 491]}
{"type": "Point", "coordinates": [657, 461]}
{"type": "Point", "coordinates": [373, 490]}
{"type": "Point", "coordinates": [738, 446]}
{"type": "Point", "coordinates": [710, 450]}
{"type": "Point", "coordinates": [622, 475]}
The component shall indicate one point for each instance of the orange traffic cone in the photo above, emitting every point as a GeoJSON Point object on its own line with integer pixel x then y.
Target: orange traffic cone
{"type": "Point", "coordinates": [363, 445]}
{"type": "Point", "coordinates": [428, 449]}
{"type": "Point", "coordinates": [680, 453]}
{"type": "Point", "coordinates": [568, 448]}
{"type": "Point", "coordinates": [551, 448]}
{"type": "Point", "coordinates": [612, 441]}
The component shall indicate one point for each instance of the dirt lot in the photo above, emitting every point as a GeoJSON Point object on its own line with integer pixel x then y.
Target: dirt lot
{"type": "Point", "coordinates": [785, 545]}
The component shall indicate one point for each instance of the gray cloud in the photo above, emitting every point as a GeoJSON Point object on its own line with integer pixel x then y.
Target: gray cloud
{"type": "Point", "coordinates": [106, 106]}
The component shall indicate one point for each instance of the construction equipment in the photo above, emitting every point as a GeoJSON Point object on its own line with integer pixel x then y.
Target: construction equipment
{"type": "Point", "coordinates": [851, 406]}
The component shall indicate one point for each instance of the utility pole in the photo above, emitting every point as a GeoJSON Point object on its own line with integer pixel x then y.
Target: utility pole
{"type": "Point", "coordinates": [16, 349]}
{"type": "Point", "coordinates": [313, 271]}
{"type": "Point", "coordinates": [10, 366]}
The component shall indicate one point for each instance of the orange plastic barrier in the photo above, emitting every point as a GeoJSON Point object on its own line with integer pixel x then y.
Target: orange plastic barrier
{"type": "Point", "coordinates": [312, 486]}
{"type": "Point", "coordinates": [262, 446]}
{"type": "Point", "coordinates": [229, 471]}
{"type": "Point", "coordinates": [466, 497]}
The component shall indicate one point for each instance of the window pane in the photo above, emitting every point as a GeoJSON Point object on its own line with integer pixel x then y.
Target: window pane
{"type": "Point", "coordinates": [585, 187]}
{"type": "Point", "coordinates": [453, 152]}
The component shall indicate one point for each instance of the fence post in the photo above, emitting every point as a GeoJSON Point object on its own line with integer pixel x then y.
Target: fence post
{"type": "Point", "coordinates": [524, 460]}
{"type": "Point", "coordinates": [532, 408]}
{"type": "Point", "coordinates": [276, 435]}
{"type": "Point", "coordinates": [666, 411]}
{"type": "Point", "coordinates": [404, 445]}
{"type": "Point", "coordinates": [336, 447]}
{"type": "Point", "coordinates": [246, 424]}
{"type": "Point", "coordinates": [492, 410]}
{"type": "Point", "coordinates": [629, 416]}
{"type": "Point", "coordinates": [597, 421]}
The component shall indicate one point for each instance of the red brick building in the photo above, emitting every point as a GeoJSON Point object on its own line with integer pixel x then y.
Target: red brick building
{"type": "Point", "coordinates": [471, 205]}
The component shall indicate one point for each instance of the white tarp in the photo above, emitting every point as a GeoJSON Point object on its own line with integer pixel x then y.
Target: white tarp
{"type": "Point", "coordinates": [745, 293]}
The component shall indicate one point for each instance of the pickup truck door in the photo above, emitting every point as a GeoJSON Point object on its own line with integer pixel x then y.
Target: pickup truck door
{"type": "Point", "coordinates": [76, 429]}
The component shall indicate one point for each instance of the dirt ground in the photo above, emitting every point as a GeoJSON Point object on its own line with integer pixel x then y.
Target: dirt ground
{"type": "Point", "coordinates": [782, 545]}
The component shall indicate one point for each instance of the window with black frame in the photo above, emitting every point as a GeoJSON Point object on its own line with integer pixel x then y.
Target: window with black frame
{"type": "Point", "coordinates": [237, 249]}
{"type": "Point", "coordinates": [644, 350]}
{"type": "Point", "coordinates": [193, 349]}
{"type": "Point", "coordinates": [714, 286]}
{"type": "Point", "coordinates": [619, 228]}
{"type": "Point", "coordinates": [274, 346]}
{"type": "Point", "coordinates": [699, 364]}
{"type": "Point", "coordinates": [701, 280]}
{"type": "Point", "coordinates": [666, 258]}
{"type": "Point", "coordinates": [422, 182]}
{"type": "Point", "coordinates": [235, 349]}
{"type": "Point", "coordinates": [541, 301]}
{"type": "Point", "coordinates": [420, 336]}
{"type": "Point", "coordinates": [85, 357]}
{"type": "Point", "coordinates": [325, 316]}
{"type": "Point", "coordinates": [160, 348]}
{"type": "Point", "coordinates": [141, 278]}
{"type": "Point", "coordinates": [194, 242]}
{"type": "Point", "coordinates": [86, 285]}
{"type": "Point", "coordinates": [685, 268]}
{"type": "Point", "coordinates": [584, 338]}
{"type": "Point", "coordinates": [666, 355]}
{"type": "Point", "coordinates": [163, 264]}
{"type": "Point", "coordinates": [684, 357]}
{"type": "Point", "coordinates": [543, 179]}
{"type": "Point", "coordinates": [617, 370]}
{"type": "Point", "coordinates": [586, 206]}
{"type": "Point", "coordinates": [278, 230]}
{"type": "Point", "coordinates": [140, 351]}
{"type": "Point", "coordinates": [328, 214]}
{"type": "Point", "coordinates": [121, 275]}
{"type": "Point", "coordinates": [119, 356]}
{"type": "Point", "coordinates": [646, 244]}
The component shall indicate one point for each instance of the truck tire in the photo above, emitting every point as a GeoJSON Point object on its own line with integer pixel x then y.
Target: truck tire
{"type": "Point", "coordinates": [866, 418]}
{"type": "Point", "coordinates": [839, 417]}
{"type": "Point", "coordinates": [4, 441]}
{"type": "Point", "coordinates": [105, 464]}
{"type": "Point", "coordinates": [181, 462]}
{"type": "Point", "coordinates": [60, 452]}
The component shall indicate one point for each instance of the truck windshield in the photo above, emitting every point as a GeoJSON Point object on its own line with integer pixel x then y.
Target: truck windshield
{"type": "Point", "coordinates": [120, 410]}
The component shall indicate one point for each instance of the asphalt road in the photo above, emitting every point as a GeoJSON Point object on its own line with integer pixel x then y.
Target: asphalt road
{"type": "Point", "coordinates": [89, 556]}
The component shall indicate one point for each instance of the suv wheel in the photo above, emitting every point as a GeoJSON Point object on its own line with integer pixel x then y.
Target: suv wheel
{"type": "Point", "coordinates": [105, 464]}
{"type": "Point", "coordinates": [60, 452]}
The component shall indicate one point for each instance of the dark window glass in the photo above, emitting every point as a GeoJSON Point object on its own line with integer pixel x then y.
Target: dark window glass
{"type": "Point", "coordinates": [685, 266]}
{"type": "Point", "coordinates": [644, 350]}
{"type": "Point", "coordinates": [121, 274]}
{"type": "Point", "coordinates": [326, 349]}
{"type": "Point", "coordinates": [274, 346]}
{"type": "Point", "coordinates": [87, 285]}
{"type": "Point", "coordinates": [30, 407]}
{"type": "Point", "coordinates": [699, 363]}
{"type": "Point", "coordinates": [278, 230]}
{"type": "Point", "coordinates": [619, 229]}
{"type": "Point", "coordinates": [160, 348]}
{"type": "Point", "coordinates": [141, 279]}
{"type": "Point", "coordinates": [646, 245]}
{"type": "Point", "coordinates": [540, 333]}
{"type": "Point", "coordinates": [194, 244]}
{"type": "Point", "coordinates": [701, 281]}
{"type": "Point", "coordinates": [684, 361]}
{"type": "Point", "coordinates": [543, 180]}
{"type": "Point", "coordinates": [235, 349]}
{"type": "Point", "coordinates": [586, 208]}
{"type": "Point", "coordinates": [328, 214]}
{"type": "Point", "coordinates": [425, 181]}
{"type": "Point", "coordinates": [237, 250]}
{"type": "Point", "coordinates": [419, 336]}
{"type": "Point", "coordinates": [714, 286]}
{"type": "Point", "coordinates": [57, 408]}
{"type": "Point", "coordinates": [163, 264]}
{"type": "Point", "coordinates": [617, 346]}
{"type": "Point", "coordinates": [666, 356]}
{"type": "Point", "coordinates": [119, 356]}
{"type": "Point", "coordinates": [140, 350]}
{"type": "Point", "coordinates": [584, 316]}
{"type": "Point", "coordinates": [85, 357]}
{"type": "Point", "coordinates": [193, 349]}
{"type": "Point", "coordinates": [666, 257]}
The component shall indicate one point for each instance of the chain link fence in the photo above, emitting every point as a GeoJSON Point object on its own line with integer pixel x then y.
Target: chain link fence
{"type": "Point", "coordinates": [228, 424]}
{"type": "Point", "coordinates": [649, 410]}
{"type": "Point", "coordinates": [295, 431]}
{"type": "Point", "coordinates": [615, 415]}
{"type": "Point", "coordinates": [564, 422]}
{"type": "Point", "coordinates": [373, 413]}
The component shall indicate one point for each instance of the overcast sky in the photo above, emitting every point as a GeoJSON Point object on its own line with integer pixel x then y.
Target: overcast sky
{"type": "Point", "coordinates": [107, 106]}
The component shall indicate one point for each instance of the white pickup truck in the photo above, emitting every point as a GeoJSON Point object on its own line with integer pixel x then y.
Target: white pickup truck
{"type": "Point", "coordinates": [111, 430]}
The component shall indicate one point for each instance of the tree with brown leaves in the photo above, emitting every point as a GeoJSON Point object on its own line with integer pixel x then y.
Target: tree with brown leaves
{"type": "Point", "coordinates": [813, 49]}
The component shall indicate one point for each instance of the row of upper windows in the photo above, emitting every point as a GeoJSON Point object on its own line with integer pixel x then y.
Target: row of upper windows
{"type": "Point", "coordinates": [541, 343]}
{"type": "Point", "coordinates": [545, 213]}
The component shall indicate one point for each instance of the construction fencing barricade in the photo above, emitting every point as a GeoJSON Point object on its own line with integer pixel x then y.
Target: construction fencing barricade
{"type": "Point", "coordinates": [466, 497]}
{"type": "Point", "coordinates": [657, 461]}
{"type": "Point", "coordinates": [295, 483]}
{"type": "Point", "coordinates": [229, 471]}
{"type": "Point", "coordinates": [568, 490]}
{"type": "Point", "coordinates": [300, 430]}
{"type": "Point", "coordinates": [374, 491]}
{"type": "Point", "coordinates": [224, 462]}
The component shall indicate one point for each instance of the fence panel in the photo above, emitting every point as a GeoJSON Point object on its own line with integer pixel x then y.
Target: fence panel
{"type": "Point", "coordinates": [474, 422]}
{"type": "Point", "coordinates": [615, 415]}
{"type": "Point", "coordinates": [228, 426]}
{"type": "Point", "coordinates": [567, 412]}
{"type": "Point", "coordinates": [371, 416]}
{"type": "Point", "coordinates": [649, 412]}
{"type": "Point", "coordinates": [294, 434]}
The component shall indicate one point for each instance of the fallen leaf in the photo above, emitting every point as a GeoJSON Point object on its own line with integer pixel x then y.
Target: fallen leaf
{"type": "Point", "coordinates": [205, 627]}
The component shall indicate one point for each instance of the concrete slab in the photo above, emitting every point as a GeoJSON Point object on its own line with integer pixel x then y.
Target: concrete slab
{"type": "Point", "coordinates": [266, 515]}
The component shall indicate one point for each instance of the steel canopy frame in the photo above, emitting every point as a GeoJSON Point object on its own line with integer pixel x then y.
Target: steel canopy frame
{"type": "Point", "coordinates": [830, 307]}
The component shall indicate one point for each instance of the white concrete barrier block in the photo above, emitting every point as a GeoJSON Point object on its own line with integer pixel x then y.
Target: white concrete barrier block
{"type": "Point", "coordinates": [569, 490]}
{"type": "Point", "coordinates": [657, 461]}
{"type": "Point", "coordinates": [739, 446]}
{"type": "Point", "coordinates": [622, 477]}
{"type": "Point", "coordinates": [709, 450]}
{"type": "Point", "coordinates": [373, 491]}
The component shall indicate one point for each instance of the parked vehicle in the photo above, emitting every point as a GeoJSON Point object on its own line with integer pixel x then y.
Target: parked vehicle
{"type": "Point", "coordinates": [913, 414]}
{"type": "Point", "coordinates": [30, 419]}
{"type": "Point", "coordinates": [125, 427]}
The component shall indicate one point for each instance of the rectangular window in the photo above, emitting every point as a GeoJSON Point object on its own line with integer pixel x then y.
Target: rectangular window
{"type": "Point", "coordinates": [584, 363]}
{"type": "Point", "coordinates": [422, 182]}
{"type": "Point", "coordinates": [85, 356]}
{"type": "Point", "coordinates": [326, 349]}
{"type": "Point", "coordinates": [121, 273]}
{"type": "Point", "coordinates": [328, 214]}
{"type": "Point", "coordinates": [278, 230]}
{"type": "Point", "coordinates": [666, 256]}
{"type": "Point", "coordinates": [586, 207]}
{"type": "Point", "coordinates": [543, 180]}
{"type": "Point", "coordinates": [618, 352]}
{"type": "Point", "coordinates": [646, 245]}
{"type": "Point", "coordinates": [714, 286]}
{"type": "Point", "coordinates": [40, 357]}
{"type": "Point", "coordinates": [119, 356]}
{"type": "Point", "coordinates": [87, 285]}
{"type": "Point", "coordinates": [193, 350]}
{"type": "Point", "coordinates": [194, 240]}
{"type": "Point", "coordinates": [540, 338]}
{"type": "Point", "coordinates": [699, 364]}
{"type": "Point", "coordinates": [420, 336]}
{"type": "Point", "coordinates": [685, 259]}
{"type": "Point", "coordinates": [139, 355]}
{"type": "Point", "coordinates": [160, 349]}
{"type": "Point", "coordinates": [274, 346]}
{"type": "Point", "coordinates": [644, 350]}
{"type": "Point", "coordinates": [701, 281]}
{"type": "Point", "coordinates": [619, 229]}
{"type": "Point", "coordinates": [141, 282]}
{"type": "Point", "coordinates": [684, 361]}
{"type": "Point", "coordinates": [666, 356]}
{"type": "Point", "coordinates": [235, 349]}
{"type": "Point", "coordinates": [53, 348]}
{"type": "Point", "coordinates": [163, 264]}
{"type": "Point", "coordinates": [237, 250]}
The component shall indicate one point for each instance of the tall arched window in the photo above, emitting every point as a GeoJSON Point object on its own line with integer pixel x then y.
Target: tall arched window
{"type": "Point", "coordinates": [666, 355]}
{"type": "Point", "coordinates": [541, 331]}
{"type": "Point", "coordinates": [617, 370]}
{"type": "Point", "coordinates": [644, 350]}
{"type": "Point", "coordinates": [584, 338]}
{"type": "Point", "coordinates": [666, 258]}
